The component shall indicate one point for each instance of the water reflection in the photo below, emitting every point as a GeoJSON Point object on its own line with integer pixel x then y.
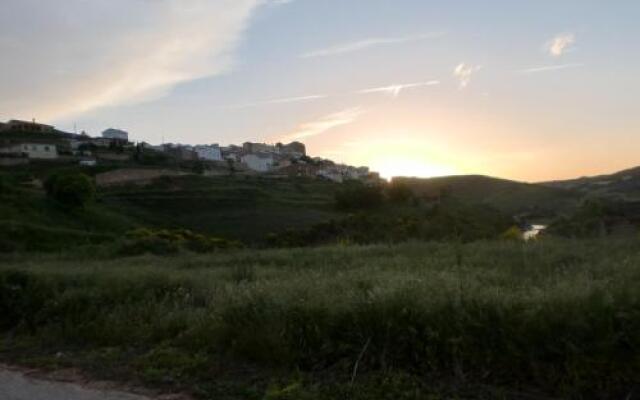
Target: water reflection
{"type": "Point", "coordinates": [534, 231]}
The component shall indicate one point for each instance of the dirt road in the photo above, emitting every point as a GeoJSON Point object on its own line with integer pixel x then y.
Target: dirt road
{"type": "Point", "coordinates": [16, 385]}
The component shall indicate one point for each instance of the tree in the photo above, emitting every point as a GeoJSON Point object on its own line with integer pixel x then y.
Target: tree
{"type": "Point", "coordinates": [358, 197]}
{"type": "Point", "coordinates": [399, 192]}
{"type": "Point", "coordinates": [199, 168]}
{"type": "Point", "coordinates": [71, 189]}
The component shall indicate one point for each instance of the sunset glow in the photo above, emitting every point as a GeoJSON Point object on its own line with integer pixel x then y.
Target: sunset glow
{"type": "Point", "coordinates": [390, 168]}
{"type": "Point", "coordinates": [464, 88]}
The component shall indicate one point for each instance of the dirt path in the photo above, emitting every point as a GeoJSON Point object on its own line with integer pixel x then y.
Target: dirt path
{"type": "Point", "coordinates": [19, 385]}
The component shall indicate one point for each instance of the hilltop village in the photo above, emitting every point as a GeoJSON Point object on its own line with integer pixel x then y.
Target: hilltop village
{"type": "Point", "coordinates": [28, 142]}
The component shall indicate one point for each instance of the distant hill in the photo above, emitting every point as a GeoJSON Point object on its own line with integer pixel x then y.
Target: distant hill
{"type": "Point", "coordinates": [504, 195]}
{"type": "Point", "coordinates": [624, 185]}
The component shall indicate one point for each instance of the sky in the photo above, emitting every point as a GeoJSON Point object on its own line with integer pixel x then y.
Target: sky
{"type": "Point", "coordinates": [533, 91]}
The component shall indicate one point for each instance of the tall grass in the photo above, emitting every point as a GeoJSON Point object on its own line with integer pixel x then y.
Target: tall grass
{"type": "Point", "coordinates": [554, 317]}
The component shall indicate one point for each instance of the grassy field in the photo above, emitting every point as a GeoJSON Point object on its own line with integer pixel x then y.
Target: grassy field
{"type": "Point", "coordinates": [551, 319]}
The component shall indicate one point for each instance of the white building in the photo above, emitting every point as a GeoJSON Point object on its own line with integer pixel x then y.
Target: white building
{"type": "Point", "coordinates": [116, 134]}
{"type": "Point", "coordinates": [331, 174]}
{"type": "Point", "coordinates": [209, 152]}
{"type": "Point", "coordinates": [260, 162]}
{"type": "Point", "coordinates": [39, 151]}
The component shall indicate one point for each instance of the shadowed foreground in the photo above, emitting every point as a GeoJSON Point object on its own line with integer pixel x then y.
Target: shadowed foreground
{"type": "Point", "coordinates": [556, 318]}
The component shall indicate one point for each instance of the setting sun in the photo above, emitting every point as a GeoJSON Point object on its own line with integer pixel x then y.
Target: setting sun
{"type": "Point", "coordinates": [392, 167]}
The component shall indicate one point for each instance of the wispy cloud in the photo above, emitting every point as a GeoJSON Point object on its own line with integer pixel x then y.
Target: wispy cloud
{"type": "Point", "coordinates": [560, 44]}
{"type": "Point", "coordinates": [464, 73]}
{"type": "Point", "coordinates": [120, 58]}
{"type": "Point", "coordinates": [285, 100]}
{"type": "Point", "coordinates": [368, 43]}
{"type": "Point", "coordinates": [548, 68]}
{"type": "Point", "coordinates": [325, 124]}
{"type": "Point", "coordinates": [396, 90]}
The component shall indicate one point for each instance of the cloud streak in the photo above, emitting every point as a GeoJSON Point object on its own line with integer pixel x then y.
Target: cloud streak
{"type": "Point", "coordinates": [285, 100]}
{"type": "Point", "coordinates": [549, 68]}
{"type": "Point", "coordinates": [396, 90]}
{"type": "Point", "coordinates": [367, 43]}
{"type": "Point", "coordinates": [557, 46]}
{"type": "Point", "coordinates": [325, 124]}
{"type": "Point", "coordinates": [464, 72]}
{"type": "Point", "coordinates": [392, 90]}
{"type": "Point", "coordinates": [89, 54]}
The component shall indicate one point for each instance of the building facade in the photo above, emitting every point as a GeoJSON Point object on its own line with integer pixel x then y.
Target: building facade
{"type": "Point", "coordinates": [209, 152]}
{"type": "Point", "coordinates": [250, 148]}
{"type": "Point", "coordinates": [40, 151]}
{"type": "Point", "coordinates": [293, 149]}
{"type": "Point", "coordinates": [259, 162]}
{"type": "Point", "coordinates": [27, 126]}
{"type": "Point", "coordinates": [116, 134]}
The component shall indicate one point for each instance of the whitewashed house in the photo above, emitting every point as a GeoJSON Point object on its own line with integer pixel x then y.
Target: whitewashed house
{"type": "Point", "coordinates": [260, 162]}
{"type": "Point", "coordinates": [209, 152]}
{"type": "Point", "coordinates": [39, 151]}
{"type": "Point", "coordinates": [331, 173]}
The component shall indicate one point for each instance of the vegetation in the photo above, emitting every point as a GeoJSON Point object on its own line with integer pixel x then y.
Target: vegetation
{"type": "Point", "coordinates": [233, 208]}
{"type": "Point", "coordinates": [506, 196]}
{"type": "Point", "coordinates": [448, 220]}
{"type": "Point", "coordinates": [424, 289]}
{"type": "Point", "coordinates": [71, 189]}
{"type": "Point", "coordinates": [599, 217]}
{"type": "Point", "coordinates": [356, 196]}
{"type": "Point", "coordinates": [165, 242]}
{"type": "Point", "coordinates": [494, 319]}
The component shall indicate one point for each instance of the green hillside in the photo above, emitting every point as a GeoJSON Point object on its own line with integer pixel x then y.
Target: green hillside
{"type": "Point", "coordinates": [244, 208]}
{"type": "Point", "coordinates": [623, 185]}
{"type": "Point", "coordinates": [507, 196]}
{"type": "Point", "coordinates": [241, 208]}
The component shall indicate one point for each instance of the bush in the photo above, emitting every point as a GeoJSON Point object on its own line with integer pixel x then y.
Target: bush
{"type": "Point", "coordinates": [514, 233]}
{"type": "Point", "coordinates": [359, 197]}
{"type": "Point", "coordinates": [6, 185]}
{"type": "Point", "coordinates": [22, 296]}
{"type": "Point", "coordinates": [71, 189]}
{"type": "Point", "coordinates": [167, 242]}
{"type": "Point", "coordinates": [399, 192]}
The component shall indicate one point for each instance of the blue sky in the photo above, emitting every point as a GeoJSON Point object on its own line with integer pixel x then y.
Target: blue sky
{"type": "Point", "coordinates": [526, 90]}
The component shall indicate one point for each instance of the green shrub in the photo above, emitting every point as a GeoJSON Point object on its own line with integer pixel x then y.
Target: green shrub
{"type": "Point", "coordinates": [168, 242]}
{"type": "Point", "coordinates": [399, 192]}
{"type": "Point", "coordinates": [243, 274]}
{"type": "Point", "coordinates": [70, 189]}
{"type": "Point", "coordinates": [6, 184]}
{"type": "Point", "coordinates": [357, 196]}
{"type": "Point", "coordinates": [22, 297]}
{"type": "Point", "coordinates": [514, 233]}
